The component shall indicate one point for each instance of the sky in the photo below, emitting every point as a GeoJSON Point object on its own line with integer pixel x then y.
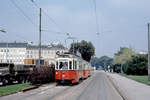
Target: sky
{"type": "Point", "coordinates": [122, 23]}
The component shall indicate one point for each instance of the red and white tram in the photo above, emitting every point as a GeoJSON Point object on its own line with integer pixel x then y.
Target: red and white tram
{"type": "Point", "coordinates": [71, 68]}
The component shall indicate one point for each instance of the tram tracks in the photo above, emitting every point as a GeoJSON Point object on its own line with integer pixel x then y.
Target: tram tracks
{"type": "Point", "coordinates": [73, 91]}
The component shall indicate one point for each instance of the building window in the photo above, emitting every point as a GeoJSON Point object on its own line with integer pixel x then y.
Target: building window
{"type": "Point", "coordinates": [10, 61]}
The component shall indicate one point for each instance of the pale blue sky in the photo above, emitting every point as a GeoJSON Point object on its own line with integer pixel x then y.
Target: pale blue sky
{"type": "Point", "coordinates": [122, 22]}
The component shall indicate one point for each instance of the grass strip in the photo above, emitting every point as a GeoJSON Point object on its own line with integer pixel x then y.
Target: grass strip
{"type": "Point", "coordinates": [138, 78]}
{"type": "Point", "coordinates": [10, 89]}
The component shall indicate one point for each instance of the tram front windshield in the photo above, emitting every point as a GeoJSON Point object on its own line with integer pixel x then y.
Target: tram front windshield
{"type": "Point", "coordinates": [63, 65]}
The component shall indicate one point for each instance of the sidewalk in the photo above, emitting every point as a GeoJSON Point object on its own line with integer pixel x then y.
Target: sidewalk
{"type": "Point", "coordinates": [130, 89]}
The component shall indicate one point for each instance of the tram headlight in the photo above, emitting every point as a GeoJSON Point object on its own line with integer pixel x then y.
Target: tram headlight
{"type": "Point", "coordinates": [63, 75]}
{"type": "Point", "coordinates": [56, 72]}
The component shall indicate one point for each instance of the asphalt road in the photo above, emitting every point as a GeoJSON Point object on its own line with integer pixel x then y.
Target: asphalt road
{"type": "Point", "coordinates": [96, 87]}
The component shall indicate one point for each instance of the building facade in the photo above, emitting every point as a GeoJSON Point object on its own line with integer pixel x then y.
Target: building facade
{"type": "Point", "coordinates": [17, 52]}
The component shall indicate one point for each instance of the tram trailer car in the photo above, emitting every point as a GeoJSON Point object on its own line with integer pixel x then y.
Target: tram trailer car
{"type": "Point", "coordinates": [70, 69]}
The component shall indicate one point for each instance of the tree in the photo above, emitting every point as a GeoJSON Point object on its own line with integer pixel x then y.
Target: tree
{"type": "Point", "coordinates": [102, 62]}
{"type": "Point", "coordinates": [95, 62]}
{"type": "Point", "coordinates": [86, 49]}
{"type": "Point", "coordinates": [137, 65]}
{"type": "Point", "coordinates": [122, 56]}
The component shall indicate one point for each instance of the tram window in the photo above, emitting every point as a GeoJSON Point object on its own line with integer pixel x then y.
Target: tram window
{"type": "Point", "coordinates": [75, 64]}
{"type": "Point", "coordinates": [63, 65]}
{"type": "Point", "coordinates": [80, 66]}
{"type": "Point", "coordinates": [57, 65]}
{"type": "Point", "coordinates": [70, 64]}
{"type": "Point", "coordinates": [60, 65]}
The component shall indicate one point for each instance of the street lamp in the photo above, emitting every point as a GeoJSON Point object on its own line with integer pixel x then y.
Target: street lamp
{"type": "Point", "coordinates": [71, 38]}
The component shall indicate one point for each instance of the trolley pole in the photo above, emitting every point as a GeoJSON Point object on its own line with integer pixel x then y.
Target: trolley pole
{"type": "Point", "coordinates": [39, 62]}
{"type": "Point", "coordinates": [73, 47]}
{"type": "Point", "coordinates": [148, 51]}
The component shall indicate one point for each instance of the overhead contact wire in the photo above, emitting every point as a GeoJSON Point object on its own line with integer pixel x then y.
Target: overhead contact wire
{"type": "Point", "coordinates": [96, 17]}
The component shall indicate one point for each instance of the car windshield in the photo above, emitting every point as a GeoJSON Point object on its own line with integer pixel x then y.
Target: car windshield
{"type": "Point", "coordinates": [63, 65]}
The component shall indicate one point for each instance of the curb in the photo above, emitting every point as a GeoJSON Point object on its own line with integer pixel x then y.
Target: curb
{"type": "Point", "coordinates": [118, 89]}
{"type": "Point", "coordinates": [30, 88]}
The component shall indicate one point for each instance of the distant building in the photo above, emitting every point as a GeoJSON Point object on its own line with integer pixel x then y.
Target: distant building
{"type": "Point", "coordinates": [16, 52]}
{"type": "Point", "coordinates": [143, 52]}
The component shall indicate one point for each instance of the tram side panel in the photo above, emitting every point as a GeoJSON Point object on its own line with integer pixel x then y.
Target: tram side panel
{"type": "Point", "coordinates": [70, 74]}
{"type": "Point", "coordinates": [84, 70]}
{"type": "Point", "coordinates": [89, 70]}
{"type": "Point", "coordinates": [67, 76]}
{"type": "Point", "coordinates": [71, 70]}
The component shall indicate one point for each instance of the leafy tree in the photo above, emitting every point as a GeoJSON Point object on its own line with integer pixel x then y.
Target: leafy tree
{"type": "Point", "coordinates": [86, 49]}
{"type": "Point", "coordinates": [122, 56]}
{"type": "Point", "coordinates": [117, 68]}
{"type": "Point", "coordinates": [137, 65]}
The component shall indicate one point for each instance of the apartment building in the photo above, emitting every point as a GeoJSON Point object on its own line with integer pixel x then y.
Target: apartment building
{"type": "Point", "coordinates": [16, 52]}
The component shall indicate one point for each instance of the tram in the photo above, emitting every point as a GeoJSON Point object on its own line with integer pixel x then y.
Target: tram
{"type": "Point", "coordinates": [71, 68]}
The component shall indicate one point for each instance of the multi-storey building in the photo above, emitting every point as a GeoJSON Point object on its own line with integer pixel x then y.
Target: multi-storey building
{"type": "Point", "coordinates": [16, 52]}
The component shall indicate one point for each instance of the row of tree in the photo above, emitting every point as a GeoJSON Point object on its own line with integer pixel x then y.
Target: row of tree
{"type": "Point", "coordinates": [127, 61]}
{"type": "Point", "coordinates": [102, 62]}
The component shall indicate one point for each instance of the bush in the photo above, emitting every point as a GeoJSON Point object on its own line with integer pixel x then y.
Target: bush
{"type": "Point", "coordinates": [137, 65]}
{"type": "Point", "coordinates": [117, 68]}
{"type": "Point", "coordinates": [42, 75]}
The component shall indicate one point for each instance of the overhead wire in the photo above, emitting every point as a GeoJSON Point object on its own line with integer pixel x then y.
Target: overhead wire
{"type": "Point", "coordinates": [96, 17]}
{"type": "Point", "coordinates": [49, 17]}
{"type": "Point", "coordinates": [30, 20]}
{"type": "Point", "coordinates": [23, 13]}
{"type": "Point", "coordinates": [44, 12]}
{"type": "Point", "coordinates": [51, 20]}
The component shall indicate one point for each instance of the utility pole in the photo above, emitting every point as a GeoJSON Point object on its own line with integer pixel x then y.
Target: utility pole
{"type": "Point", "coordinates": [39, 62]}
{"type": "Point", "coordinates": [148, 51]}
{"type": "Point", "coordinates": [73, 47]}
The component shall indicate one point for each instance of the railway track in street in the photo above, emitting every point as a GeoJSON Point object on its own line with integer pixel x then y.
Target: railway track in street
{"type": "Point", "coordinates": [96, 87]}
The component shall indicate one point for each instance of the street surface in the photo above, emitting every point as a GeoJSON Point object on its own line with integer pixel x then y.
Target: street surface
{"type": "Point", "coordinates": [130, 89]}
{"type": "Point", "coordinates": [96, 87]}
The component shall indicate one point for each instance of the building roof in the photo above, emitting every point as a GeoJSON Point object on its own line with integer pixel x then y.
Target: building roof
{"type": "Point", "coordinates": [12, 44]}
{"type": "Point", "coordinates": [28, 46]}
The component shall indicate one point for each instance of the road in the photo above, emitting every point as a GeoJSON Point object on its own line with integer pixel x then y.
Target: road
{"type": "Point", "coordinates": [96, 87]}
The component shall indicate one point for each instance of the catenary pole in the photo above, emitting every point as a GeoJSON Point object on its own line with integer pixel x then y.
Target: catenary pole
{"type": "Point", "coordinates": [39, 62]}
{"type": "Point", "coordinates": [148, 51]}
